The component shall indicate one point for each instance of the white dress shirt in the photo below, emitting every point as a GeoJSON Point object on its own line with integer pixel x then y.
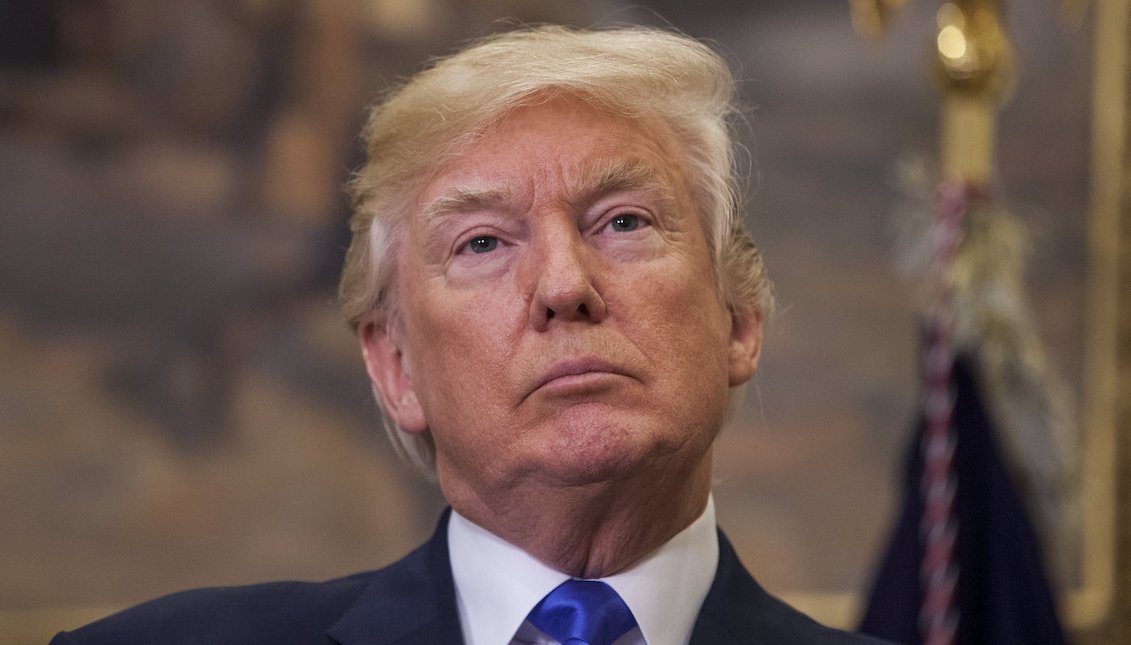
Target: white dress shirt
{"type": "Point", "coordinates": [497, 584]}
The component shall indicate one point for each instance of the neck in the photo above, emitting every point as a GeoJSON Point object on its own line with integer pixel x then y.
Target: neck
{"type": "Point", "coordinates": [592, 530]}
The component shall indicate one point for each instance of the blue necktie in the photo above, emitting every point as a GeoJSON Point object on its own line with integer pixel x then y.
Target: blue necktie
{"type": "Point", "coordinates": [583, 612]}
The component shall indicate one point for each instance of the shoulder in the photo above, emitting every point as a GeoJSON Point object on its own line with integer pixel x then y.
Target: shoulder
{"type": "Point", "coordinates": [738, 610]}
{"type": "Point", "coordinates": [278, 612]}
{"type": "Point", "coordinates": [796, 627]}
{"type": "Point", "coordinates": [412, 593]}
{"type": "Point", "coordinates": [758, 617]}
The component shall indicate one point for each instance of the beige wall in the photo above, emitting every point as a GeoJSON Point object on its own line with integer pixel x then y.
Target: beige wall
{"type": "Point", "coordinates": [180, 404]}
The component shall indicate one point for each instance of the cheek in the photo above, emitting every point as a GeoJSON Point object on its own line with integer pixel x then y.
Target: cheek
{"type": "Point", "coordinates": [463, 342]}
{"type": "Point", "coordinates": [701, 333]}
{"type": "Point", "coordinates": [688, 301]}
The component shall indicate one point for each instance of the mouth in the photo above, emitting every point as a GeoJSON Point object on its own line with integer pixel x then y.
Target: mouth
{"type": "Point", "coordinates": [577, 373]}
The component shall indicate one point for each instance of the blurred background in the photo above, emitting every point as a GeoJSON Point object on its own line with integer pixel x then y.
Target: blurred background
{"type": "Point", "coordinates": [182, 405]}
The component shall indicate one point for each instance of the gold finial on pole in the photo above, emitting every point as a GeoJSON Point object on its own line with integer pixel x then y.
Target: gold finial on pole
{"type": "Point", "coordinates": [975, 67]}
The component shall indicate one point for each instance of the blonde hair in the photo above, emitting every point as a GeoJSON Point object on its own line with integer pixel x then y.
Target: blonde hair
{"type": "Point", "coordinates": [635, 72]}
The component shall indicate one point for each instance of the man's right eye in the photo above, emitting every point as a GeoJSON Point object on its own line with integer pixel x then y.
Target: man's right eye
{"type": "Point", "coordinates": [483, 244]}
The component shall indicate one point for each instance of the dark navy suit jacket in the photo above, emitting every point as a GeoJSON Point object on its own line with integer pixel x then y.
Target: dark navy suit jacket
{"type": "Point", "coordinates": [412, 601]}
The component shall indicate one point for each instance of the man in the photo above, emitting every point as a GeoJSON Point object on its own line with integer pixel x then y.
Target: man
{"type": "Point", "coordinates": [554, 295]}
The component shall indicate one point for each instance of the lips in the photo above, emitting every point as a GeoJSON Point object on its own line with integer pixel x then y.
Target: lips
{"type": "Point", "coordinates": [577, 367]}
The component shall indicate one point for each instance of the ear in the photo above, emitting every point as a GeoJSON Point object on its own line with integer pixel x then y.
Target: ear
{"type": "Point", "coordinates": [388, 370]}
{"type": "Point", "coordinates": [745, 345]}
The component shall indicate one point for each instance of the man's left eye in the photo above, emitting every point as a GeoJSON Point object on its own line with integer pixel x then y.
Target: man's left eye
{"type": "Point", "coordinates": [624, 223]}
{"type": "Point", "coordinates": [483, 244]}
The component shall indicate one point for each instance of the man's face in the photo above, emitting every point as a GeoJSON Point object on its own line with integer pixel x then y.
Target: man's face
{"type": "Point", "coordinates": [559, 318]}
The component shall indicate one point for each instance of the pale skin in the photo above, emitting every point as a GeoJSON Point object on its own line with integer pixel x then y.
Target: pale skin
{"type": "Point", "coordinates": [561, 336]}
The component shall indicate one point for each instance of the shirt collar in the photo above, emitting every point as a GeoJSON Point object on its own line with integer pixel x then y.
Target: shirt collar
{"type": "Point", "coordinates": [497, 583]}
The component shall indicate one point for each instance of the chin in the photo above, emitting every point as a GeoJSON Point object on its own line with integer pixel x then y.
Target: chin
{"type": "Point", "coordinates": [596, 453]}
{"type": "Point", "coordinates": [583, 469]}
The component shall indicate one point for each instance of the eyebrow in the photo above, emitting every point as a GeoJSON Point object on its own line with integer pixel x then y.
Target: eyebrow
{"type": "Point", "coordinates": [595, 180]}
{"type": "Point", "coordinates": [459, 201]}
{"type": "Point", "coordinates": [464, 200]}
{"type": "Point", "coordinates": [607, 176]}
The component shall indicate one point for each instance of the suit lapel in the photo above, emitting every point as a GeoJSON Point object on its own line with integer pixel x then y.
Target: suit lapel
{"type": "Point", "coordinates": [714, 622]}
{"type": "Point", "coordinates": [410, 601]}
{"type": "Point", "coordinates": [738, 610]}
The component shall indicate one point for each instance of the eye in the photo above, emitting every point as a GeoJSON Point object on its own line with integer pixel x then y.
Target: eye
{"type": "Point", "coordinates": [624, 223]}
{"type": "Point", "coordinates": [483, 244]}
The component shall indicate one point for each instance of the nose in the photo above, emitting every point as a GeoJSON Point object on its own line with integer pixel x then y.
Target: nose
{"type": "Point", "coordinates": [562, 272]}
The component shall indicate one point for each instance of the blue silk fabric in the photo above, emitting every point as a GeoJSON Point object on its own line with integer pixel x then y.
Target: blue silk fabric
{"type": "Point", "coordinates": [583, 612]}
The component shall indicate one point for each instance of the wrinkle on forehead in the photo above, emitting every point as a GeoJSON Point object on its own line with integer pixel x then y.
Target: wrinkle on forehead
{"type": "Point", "coordinates": [593, 179]}
{"type": "Point", "coordinates": [579, 155]}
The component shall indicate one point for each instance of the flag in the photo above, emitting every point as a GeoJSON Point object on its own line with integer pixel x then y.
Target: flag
{"type": "Point", "coordinates": [1002, 596]}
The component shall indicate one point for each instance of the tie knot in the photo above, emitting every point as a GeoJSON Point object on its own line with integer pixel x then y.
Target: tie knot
{"type": "Point", "coordinates": [583, 612]}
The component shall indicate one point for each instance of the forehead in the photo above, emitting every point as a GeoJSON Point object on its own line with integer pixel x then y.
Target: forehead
{"type": "Point", "coordinates": [564, 144]}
